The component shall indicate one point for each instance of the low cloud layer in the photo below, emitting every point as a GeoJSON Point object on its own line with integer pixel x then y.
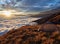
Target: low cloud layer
{"type": "Point", "coordinates": [24, 6]}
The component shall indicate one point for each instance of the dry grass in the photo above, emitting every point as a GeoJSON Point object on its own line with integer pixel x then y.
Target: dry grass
{"type": "Point", "coordinates": [32, 35]}
{"type": "Point", "coordinates": [38, 34]}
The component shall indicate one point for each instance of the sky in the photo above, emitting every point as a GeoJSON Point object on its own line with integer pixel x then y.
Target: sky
{"type": "Point", "coordinates": [24, 6]}
{"type": "Point", "coordinates": [31, 5]}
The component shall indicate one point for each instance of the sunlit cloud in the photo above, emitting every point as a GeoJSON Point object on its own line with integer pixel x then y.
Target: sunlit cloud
{"type": "Point", "coordinates": [16, 8]}
{"type": "Point", "coordinates": [32, 5]}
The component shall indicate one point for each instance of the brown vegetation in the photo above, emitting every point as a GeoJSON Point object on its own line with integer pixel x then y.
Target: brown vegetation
{"type": "Point", "coordinates": [38, 34]}
{"type": "Point", "coordinates": [33, 35]}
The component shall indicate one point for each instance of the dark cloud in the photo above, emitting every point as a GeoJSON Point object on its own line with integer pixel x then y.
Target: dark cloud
{"type": "Point", "coordinates": [38, 5]}
{"type": "Point", "coordinates": [33, 5]}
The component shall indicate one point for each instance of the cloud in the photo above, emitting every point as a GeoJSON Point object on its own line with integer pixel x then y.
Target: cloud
{"type": "Point", "coordinates": [37, 5]}
{"type": "Point", "coordinates": [32, 5]}
{"type": "Point", "coordinates": [25, 6]}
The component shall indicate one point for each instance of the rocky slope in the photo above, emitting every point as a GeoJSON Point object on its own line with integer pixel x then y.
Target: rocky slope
{"type": "Point", "coordinates": [35, 34]}
{"type": "Point", "coordinates": [48, 34]}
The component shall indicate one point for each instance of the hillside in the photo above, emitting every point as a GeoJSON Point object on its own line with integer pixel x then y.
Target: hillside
{"type": "Point", "coordinates": [36, 34]}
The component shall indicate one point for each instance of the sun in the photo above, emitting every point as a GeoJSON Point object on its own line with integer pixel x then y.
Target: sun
{"type": "Point", "coordinates": [7, 13]}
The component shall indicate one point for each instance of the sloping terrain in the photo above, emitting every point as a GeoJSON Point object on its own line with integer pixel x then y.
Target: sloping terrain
{"type": "Point", "coordinates": [49, 34]}
{"type": "Point", "coordinates": [36, 34]}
